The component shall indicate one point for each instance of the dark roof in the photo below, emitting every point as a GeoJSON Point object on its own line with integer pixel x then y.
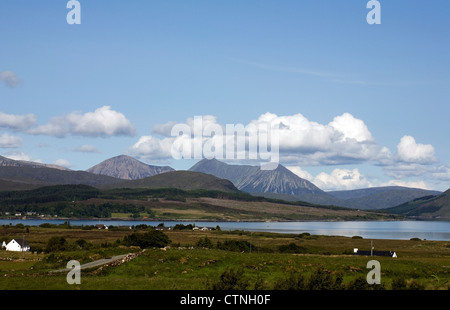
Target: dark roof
{"type": "Point", "coordinates": [22, 243]}
{"type": "Point", "coordinates": [375, 253]}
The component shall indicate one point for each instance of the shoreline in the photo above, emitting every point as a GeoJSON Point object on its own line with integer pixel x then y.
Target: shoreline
{"type": "Point", "coordinates": [214, 220]}
{"type": "Point", "coordinates": [25, 218]}
{"type": "Point", "coordinates": [374, 229]}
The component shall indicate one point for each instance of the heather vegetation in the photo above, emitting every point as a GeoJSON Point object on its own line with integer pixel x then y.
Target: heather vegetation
{"type": "Point", "coordinates": [216, 260]}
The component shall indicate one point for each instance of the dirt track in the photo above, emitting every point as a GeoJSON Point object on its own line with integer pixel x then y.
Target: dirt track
{"type": "Point", "coordinates": [96, 263]}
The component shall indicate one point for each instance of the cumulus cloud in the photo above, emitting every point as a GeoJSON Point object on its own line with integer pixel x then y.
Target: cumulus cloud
{"type": "Point", "coordinates": [102, 122]}
{"type": "Point", "coordinates": [7, 141]}
{"type": "Point", "coordinates": [164, 129]}
{"type": "Point", "coordinates": [341, 179]}
{"type": "Point", "coordinates": [10, 79]}
{"type": "Point", "coordinates": [412, 159]}
{"type": "Point", "coordinates": [411, 184]}
{"type": "Point", "coordinates": [346, 139]}
{"type": "Point", "coordinates": [21, 156]}
{"type": "Point", "coordinates": [17, 122]}
{"type": "Point", "coordinates": [411, 152]}
{"type": "Point", "coordinates": [351, 128]}
{"type": "Point", "coordinates": [399, 170]}
{"type": "Point", "coordinates": [149, 147]}
{"type": "Point", "coordinates": [63, 163]}
{"type": "Point", "coordinates": [349, 179]}
{"type": "Point", "coordinates": [301, 173]}
{"type": "Point", "coordinates": [442, 173]}
{"type": "Point", "coordinates": [338, 179]}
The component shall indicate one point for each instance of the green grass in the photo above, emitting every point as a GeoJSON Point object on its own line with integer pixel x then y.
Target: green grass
{"type": "Point", "coordinates": [425, 264]}
{"type": "Point", "coordinates": [198, 269]}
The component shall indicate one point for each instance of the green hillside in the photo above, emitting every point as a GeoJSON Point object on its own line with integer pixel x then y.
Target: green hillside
{"type": "Point", "coordinates": [426, 208]}
{"type": "Point", "coordinates": [185, 180]}
{"type": "Point", "coordinates": [20, 178]}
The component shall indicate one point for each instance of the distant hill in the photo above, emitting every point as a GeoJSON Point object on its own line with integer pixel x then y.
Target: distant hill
{"type": "Point", "coordinates": [128, 168]}
{"type": "Point", "coordinates": [278, 183]}
{"type": "Point", "coordinates": [379, 197]}
{"type": "Point", "coordinates": [23, 175]}
{"type": "Point", "coordinates": [7, 162]}
{"type": "Point", "coordinates": [185, 180]}
{"type": "Point", "coordinates": [19, 178]}
{"type": "Point", "coordinates": [429, 207]}
{"type": "Point", "coordinates": [283, 184]}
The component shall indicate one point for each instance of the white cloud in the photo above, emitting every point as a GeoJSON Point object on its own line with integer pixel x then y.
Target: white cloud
{"type": "Point", "coordinates": [344, 140]}
{"type": "Point", "coordinates": [86, 149]}
{"type": "Point", "coordinates": [338, 179]}
{"type": "Point", "coordinates": [411, 152]}
{"type": "Point", "coordinates": [401, 170]}
{"type": "Point", "coordinates": [411, 184]}
{"type": "Point", "coordinates": [411, 160]}
{"type": "Point", "coordinates": [21, 156]}
{"type": "Point", "coordinates": [351, 128]}
{"type": "Point", "coordinates": [10, 79]}
{"type": "Point", "coordinates": [149, 147]}
{"type": "Point", "coordinates": [17, 122]}
{"type": "Point", "coordinates": [442, 173]}
{"type": "Point", "coordinates": [63, 163]}
{"type": "Point", "coordinates": [301, 173]}
{"type": "Point", "coordinates": [163, 129]}
{"type": "Point", "coordinates": [102, 122]}
{"type": "Point", "coordinates": [7, 141]}
{"type": "Point", "coordinates": [341, 179]}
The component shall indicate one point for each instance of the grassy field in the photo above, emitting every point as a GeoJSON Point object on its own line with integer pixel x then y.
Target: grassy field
{"type": "Point", "coordinates": [265, 263]}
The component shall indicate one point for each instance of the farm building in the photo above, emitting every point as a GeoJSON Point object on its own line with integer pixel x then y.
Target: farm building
{"type": "Point", "coordinates": [19, 245]}
{"type": "Point", "coordinates": [374, 253]}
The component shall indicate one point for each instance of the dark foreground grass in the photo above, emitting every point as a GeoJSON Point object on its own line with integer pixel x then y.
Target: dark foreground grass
{"type": "Point", "coordinates": [201, 269]}
{"type": "Point", "coordinates": [322, 262]}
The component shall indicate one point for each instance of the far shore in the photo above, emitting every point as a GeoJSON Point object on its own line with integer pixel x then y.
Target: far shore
{"type": "Point", "coordinates": [216, 220]}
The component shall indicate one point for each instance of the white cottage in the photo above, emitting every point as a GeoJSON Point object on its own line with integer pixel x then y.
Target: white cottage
{"type": "Point", "coordinates": [18, 245]}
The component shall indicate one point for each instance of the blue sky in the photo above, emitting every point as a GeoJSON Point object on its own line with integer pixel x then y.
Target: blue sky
{"type": "Point", "coordinates": [79, 94]}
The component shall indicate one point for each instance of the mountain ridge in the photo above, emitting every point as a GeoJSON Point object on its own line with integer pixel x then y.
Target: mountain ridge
{"type": "Point", "coordinates": [282, 183]}
{"type": "Point", "coordinates": [8, 162]}
{"type": "Point", "coordinates": [268, 183]}
{"type": "Point", "coordinates": [426, 208]}
{"type": "Point", "coordinates": [374, 198]}
{"type": "Point", "coordinates": [180, 179]}
{"type": "Point", "coordinates": [127, 168]}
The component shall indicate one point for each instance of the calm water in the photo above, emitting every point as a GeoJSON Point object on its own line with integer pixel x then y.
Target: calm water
{"type": "Point", "coordinates": [376, 230]}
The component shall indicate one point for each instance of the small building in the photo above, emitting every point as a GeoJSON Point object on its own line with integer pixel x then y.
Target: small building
{"type": "Point", "coordinates": [374, 253]}
{"type": "Point", "coordinates": [19, 245]}
{"type": "Point", "coordinates": [201, 228]}
{"type": "Point", "coordinates": [101, 226]}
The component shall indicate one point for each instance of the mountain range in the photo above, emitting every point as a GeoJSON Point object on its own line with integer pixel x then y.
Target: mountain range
{"type": "Point", "coordinates": [380, 197]}
{"type": "Point", "coordinates": [128, 168]}
{"type": "Point", "coordinates": [124, 171]}
{"type": "Point", "coordinates": [283, 184]}
{"type": "Point", "coordinates": [23, 175]}
{"type": "Point", "coordinates": [280, 183]}
{"type": "Point", "coordinates": [7, 162]}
